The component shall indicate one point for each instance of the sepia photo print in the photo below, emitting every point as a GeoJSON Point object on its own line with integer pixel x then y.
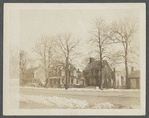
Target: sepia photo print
{"type": "Point", "coordinates": [74, 59]}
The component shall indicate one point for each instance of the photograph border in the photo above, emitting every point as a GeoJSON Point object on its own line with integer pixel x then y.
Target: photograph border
{"type": "Point", "coordinates": [12, 8]}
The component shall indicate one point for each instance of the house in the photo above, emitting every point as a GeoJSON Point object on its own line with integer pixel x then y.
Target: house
{"type": "Point", "coordinates": [57, 76]}
{"type": "Point", "coordinates": [120, 80]}
{"type": "Point", "coordinates": [92, 74]}
{"type": "Point", "coordinates": [34, 75]}
{"type": "Point", "coordinates": [81, 80]}
{"type": "Point", "coordinates": [72, 80]}
{"type": "Point", "coordinates": [78, 73]}
{"type": "Point", "coordinates": [134, 78]}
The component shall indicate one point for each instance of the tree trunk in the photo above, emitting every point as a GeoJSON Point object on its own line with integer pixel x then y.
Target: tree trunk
{"type": "Point", "coordinates": [114, 79]}
{"type": "Point", "coordinates": [66, 86]}
{"type": "Point", "coordinates": [22, 79]}
{"type": "Point", "coordinates": [102, 83]}
{"type": "Point", "coordinates": [46, 75]}
{"type": "Point", "coordinates": [101, 79]}
{"type": "Point", "coordinates": [126, 68]}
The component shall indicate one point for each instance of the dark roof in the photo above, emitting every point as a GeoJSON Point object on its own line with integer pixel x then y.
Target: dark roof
{"type": "Point", "coordinates": [32, 70]}
{"type": "Point", "coordinates": [92, 65]}
{"type": "Point", "coordinates": [78, 71]}
{"type": "Point", "coordinates": [70, 67]}
{"type": "Point", "coordinates": [95, 65]}
{"type": "Point", "coordinates": [134, 74]}
{"type": "Point", "coordinates": [63, 65]}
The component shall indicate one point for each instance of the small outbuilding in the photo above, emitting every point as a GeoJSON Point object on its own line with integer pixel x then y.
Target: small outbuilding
{"type": "Point", "coordinates": [134, 78]}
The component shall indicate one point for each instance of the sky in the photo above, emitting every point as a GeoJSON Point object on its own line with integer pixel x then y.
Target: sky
{"type": "Point", "coordinates": [35, 23]}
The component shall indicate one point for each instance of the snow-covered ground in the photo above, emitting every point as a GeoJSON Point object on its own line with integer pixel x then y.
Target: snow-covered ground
{"type": "Point", "coordinates": [65, 103]}
{"type": "Point", "coordinates": [82, 89]}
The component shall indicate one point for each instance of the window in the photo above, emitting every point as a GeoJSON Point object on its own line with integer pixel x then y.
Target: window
{"type": "Point", "coordinates": [52, 81]}
{"type": "Point", "coordinates": [90, 81]}
{"type": "Point", "coordinates": [56, 81]}
{"type": "Point", "coordinates": [49, 74]}
{"type": "Point", "coordinates": [63, 80]}
{"type": "Point", "coordinates": [105, 75]}
{"type": "Point", "coordinates": [74, 73]}
{"type": "Point", "coordinates": [94, 81]}
{"type": "Point", "coordinates": [63, 73]}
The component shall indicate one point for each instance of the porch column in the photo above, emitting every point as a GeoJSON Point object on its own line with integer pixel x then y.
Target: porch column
{"type": "Point", "coordinates": [75, 81]}
{"type": "Point", "coordinates": [60, 81]}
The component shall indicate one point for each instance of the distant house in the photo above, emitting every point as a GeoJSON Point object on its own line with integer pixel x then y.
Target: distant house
{"type": "Point", "coordinates": [80, 78]}
{"type": "Point", "coordinates": [72, 79]}
{"type": "Point", "coordinates": [134, 78]}
{"type": "Point", "coordinates": [78, 73]}
{"type": "Point", "coordinates": [34, 75]}
{"type": "Point", "coordinates": [92, 73]}
{"type": "Point", "coordinates": [120, 81]}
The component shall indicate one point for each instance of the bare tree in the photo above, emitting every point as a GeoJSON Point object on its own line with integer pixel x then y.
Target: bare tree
{"type": "Point", "coordinates": [100, 42]}
{"type": "Point", "coordinates": [67, 45]}
{"type": "Point", "coordinates": [123, 32]}
{"type": "Point", "coordinates": [14, 60]}
{"type": "Point", "coordinates": [84, 62]}
{"type": "Point", "coordinates": [44, 48]}
{"type": "Point", "coordinates": [116, 58]}
{"type": "Point", "coordinates": [134, 54]}
{"type": "Point", "coordinates": [23, 63]}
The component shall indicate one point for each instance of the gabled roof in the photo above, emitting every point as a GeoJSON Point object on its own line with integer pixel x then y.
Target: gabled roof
{"type": "Point", "coordinates": [63, 65]}
{"type": "Point", "coordinates": [32, 70]}
{"type": "Point", "coordinates": [70, 67]}
{"type": "Point", "coordinates": [134, 74]}
{"type": "Point", "coordinates": [95, 65]}
{"type": "Point", "coordinates": [92, 65]}
{"type": "Point", "coordinates": [78, 71]}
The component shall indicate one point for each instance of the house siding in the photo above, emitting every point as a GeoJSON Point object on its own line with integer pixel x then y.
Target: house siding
{"type": "Point", "coordinates": [40, 75]}
{"type": "Point", "coordinates": [134, 83]}
{"type": "Point", "coordinates": [34, 75]}
{"type": "Point", "coordinates": [134, 77]}
{"type": "Point", "coordinates": [92, 74]}
{"type": "Point", "coordinates": [57, 77]}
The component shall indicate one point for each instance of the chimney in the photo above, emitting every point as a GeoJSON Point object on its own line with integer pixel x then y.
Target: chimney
{"type": "Point", "coordinates": [131, 69]}
{"type": "Point", "coordinates": [91, 59]}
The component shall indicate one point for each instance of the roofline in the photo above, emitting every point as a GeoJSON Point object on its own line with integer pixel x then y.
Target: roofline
{"type": "Point", "coordinates": [37, 70]}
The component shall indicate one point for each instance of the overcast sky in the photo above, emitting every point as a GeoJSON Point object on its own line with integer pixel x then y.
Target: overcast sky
{"type": "Point", "coordinates": [39, 22]}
